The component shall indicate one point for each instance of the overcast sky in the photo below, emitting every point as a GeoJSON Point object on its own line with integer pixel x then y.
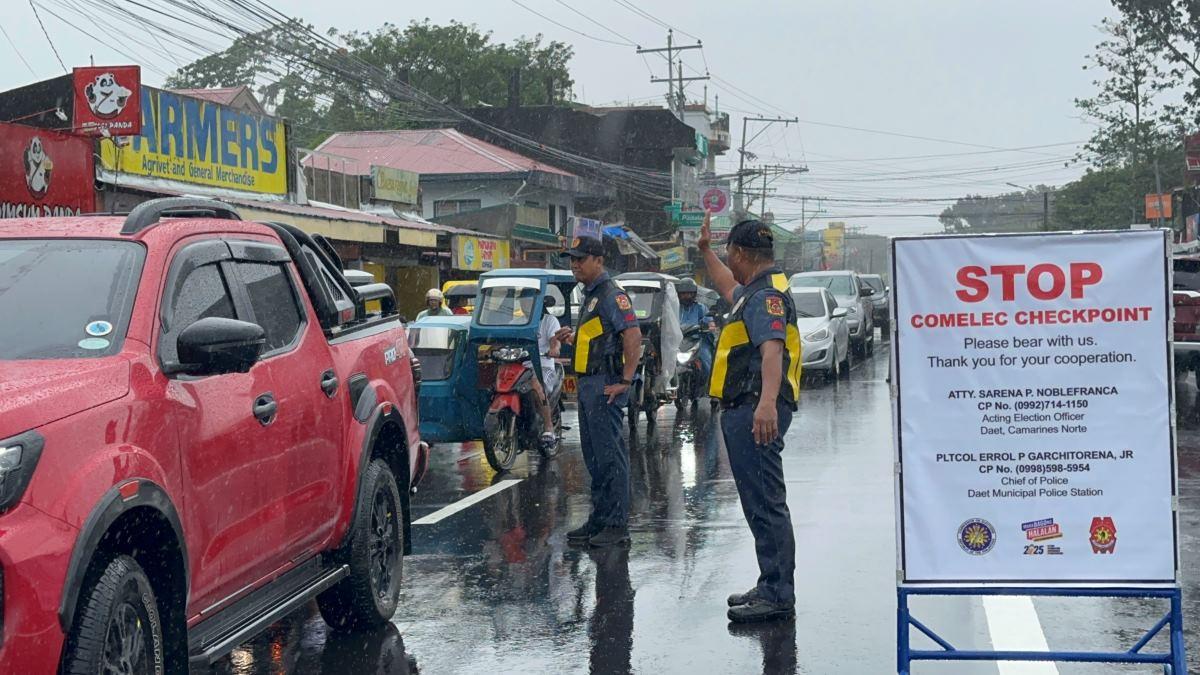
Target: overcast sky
{"type": "Point", "coordinates": [984, 75]}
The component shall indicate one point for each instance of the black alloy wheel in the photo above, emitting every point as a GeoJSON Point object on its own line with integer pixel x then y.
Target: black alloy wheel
{"type": "Point", "coordinates": [383, 542]}
{"type": "Point", "coordinates": [117, 630]}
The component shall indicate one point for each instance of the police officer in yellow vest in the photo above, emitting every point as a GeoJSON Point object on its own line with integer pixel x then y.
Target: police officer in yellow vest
{"type": "Point", "coordinates": [607, 344]}
{"type": "Point", "coordinates": [756, 377]}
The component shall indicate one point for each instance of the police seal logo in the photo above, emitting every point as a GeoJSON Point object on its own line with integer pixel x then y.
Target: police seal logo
{"type": "Point", "coordinates": [1103, 535]}
{"type": "Point", "coordinates": [106, 97]}
{"type": "Point", "coordinates": [623, 302]}
{"type": "Point", "coordinates": [976, 536]}
{"type": "Point", "coordinates": [38, 168]}
{"type": "Point", "coordinates": [774, 305]}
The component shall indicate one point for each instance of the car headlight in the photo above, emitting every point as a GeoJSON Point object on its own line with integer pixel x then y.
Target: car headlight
{"type": "Point", "coordinates": [817, 335]}
{"type": "Point", "coordinates": [19, 456]}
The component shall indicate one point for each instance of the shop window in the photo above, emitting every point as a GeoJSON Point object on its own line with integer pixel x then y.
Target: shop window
{"type": "Point", "coordinates": [562, 219]}
{"type": "Point", "coordinates": [449, 207]}
{"type": "Point", "coordinates": [552, 211]}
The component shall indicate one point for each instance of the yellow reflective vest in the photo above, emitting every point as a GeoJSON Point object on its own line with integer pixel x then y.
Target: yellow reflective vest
{"type": "Point", "coordinates": [737, 366]}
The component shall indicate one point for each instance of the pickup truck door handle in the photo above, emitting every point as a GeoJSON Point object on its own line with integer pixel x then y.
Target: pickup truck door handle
{"type": "Point", "coordinates": [265, 408]}
{"type": "Point", "coordinates": [329, 383]}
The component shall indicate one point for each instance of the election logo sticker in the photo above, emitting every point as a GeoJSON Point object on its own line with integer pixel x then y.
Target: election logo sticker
{"type": "Point", "coordinates": [1041, 530]}
{"type": "Point", "coordinates": [98, 328]}
{"type": "Point", "coordinates": [976, 536]}
{"type": "Point", "coordinates": [1103, 535]}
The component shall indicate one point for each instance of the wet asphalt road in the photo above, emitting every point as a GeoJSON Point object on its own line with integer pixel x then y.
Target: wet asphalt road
{"type": "Point", "coordinates": [494, 588]}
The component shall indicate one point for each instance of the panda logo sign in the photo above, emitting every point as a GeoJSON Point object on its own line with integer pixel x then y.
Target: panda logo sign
{"type": "Point", "coordinates": [38, 168]}
{"type": "Point", "coordinates": [105, 96]}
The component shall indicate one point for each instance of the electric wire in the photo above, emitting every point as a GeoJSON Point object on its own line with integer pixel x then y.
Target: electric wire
{"type": "Point", "coordinates": [45, 32]}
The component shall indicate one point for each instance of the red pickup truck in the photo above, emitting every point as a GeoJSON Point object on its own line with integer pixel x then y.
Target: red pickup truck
{"type": "Point", "coordinates": [201, 429]}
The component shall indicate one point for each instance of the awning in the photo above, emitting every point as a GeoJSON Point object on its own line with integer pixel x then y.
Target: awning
{"type": "Point", "coordinates": [628, 243]}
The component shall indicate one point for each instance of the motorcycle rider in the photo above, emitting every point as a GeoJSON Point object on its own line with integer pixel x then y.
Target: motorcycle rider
{"type": "Point", "coordinates": [691, 313]}
{"type": "Point", "coordinates": [434, 305]}
{"type": "Point", "coordinates": [548, 349]}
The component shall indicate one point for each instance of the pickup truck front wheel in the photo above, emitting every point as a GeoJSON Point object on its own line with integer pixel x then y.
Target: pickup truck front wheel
{"type": "Point", "coordinates": [368, 597]}
{"type": "Point", "coordinates": [118, 631]}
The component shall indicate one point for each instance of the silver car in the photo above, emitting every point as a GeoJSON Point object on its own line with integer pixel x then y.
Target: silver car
{"type": "Point", "coordinates": [853, 294]}
{"type": "Point", "coordinates": [824, 335]}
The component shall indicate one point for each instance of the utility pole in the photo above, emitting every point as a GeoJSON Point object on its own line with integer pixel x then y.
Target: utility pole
{"type": "Point", "coordinates": [739, 200]}
{"type": "Point", "coordinates": [675, 99]}
{"type": "Point", "coordinates": [1045, 211]}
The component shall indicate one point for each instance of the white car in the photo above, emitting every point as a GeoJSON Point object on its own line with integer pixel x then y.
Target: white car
{"type": "Point", "coordinates": [824, 334]}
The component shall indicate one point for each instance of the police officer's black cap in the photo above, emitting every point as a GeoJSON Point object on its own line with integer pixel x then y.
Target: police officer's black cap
{"type": "Point", "coordinates": [582, 247]}
{"type": "Point", "coordinates": [752, 234]}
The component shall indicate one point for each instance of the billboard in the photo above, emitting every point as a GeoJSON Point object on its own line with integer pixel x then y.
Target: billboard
{"type": "Point", "coordinates": [477, 254]}
{"type": "Point", "coordinates": [394, 185]}
{"type": "Point", "coordinates": [673, 258]}
{"type": "Point", "coordinates": [1034, 408]}
{"type": "Point", "coordinates": [190, 140]}
{"type": "Point", "coordinates": [107, 100]}
{"type": "Point", "coordinates": [44, 173]}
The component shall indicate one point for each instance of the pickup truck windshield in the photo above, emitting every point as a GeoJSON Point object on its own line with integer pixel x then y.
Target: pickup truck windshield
{"type": "Point", "coordinates": [66, 298]}
{"type": "Point", "coordinates": [838, 284]}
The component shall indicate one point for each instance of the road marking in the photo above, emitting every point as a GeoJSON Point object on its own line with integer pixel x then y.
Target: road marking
{"type": "Point", "coordinates": [1014, 626]}
{"type": "Point", "coordinates": [447, 511]}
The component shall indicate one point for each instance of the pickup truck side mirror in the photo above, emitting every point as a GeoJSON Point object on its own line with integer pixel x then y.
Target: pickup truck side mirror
{"type": "Point", "coordinates": [839, 312]}
{"type": "Point", "coordinates": [215, 346]}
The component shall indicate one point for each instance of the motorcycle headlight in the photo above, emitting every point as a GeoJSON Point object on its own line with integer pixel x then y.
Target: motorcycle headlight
{"type": "Point", "coordinates": [817, 335]}
{"type": "Point", "coordinates": [683, 357]}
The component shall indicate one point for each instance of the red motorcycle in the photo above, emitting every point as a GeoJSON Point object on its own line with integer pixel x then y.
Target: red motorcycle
{"type": "Point", "coordinates": [513, 422]}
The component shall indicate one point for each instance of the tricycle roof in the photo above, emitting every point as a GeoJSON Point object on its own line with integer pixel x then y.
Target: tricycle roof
{"type": "Point", "coordinates": [551, 276]}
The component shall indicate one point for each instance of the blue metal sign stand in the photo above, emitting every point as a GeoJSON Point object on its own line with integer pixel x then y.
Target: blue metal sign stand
{"type": "Point", "coordinates": [1173, 661]}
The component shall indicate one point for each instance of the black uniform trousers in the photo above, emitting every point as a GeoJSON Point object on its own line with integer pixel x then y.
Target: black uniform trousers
{"type": "Point", "coordinates": [604, 451]}
{"type": "Point", "coordinates": [758, 473]}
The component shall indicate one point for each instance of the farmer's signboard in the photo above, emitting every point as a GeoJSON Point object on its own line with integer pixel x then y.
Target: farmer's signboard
{"type": "Point", "coordinates": [44, 173]}
{"type": "Point", "coordinates": [190, 140]}
{"type": "Point", "coordinates": [1033, 408]}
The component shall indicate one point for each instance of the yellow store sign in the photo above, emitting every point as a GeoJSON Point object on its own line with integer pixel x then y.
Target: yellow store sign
{"type": "Point", "coordinates": [476, 254]}
{"type": "Point", "coordinates": [188, 140]}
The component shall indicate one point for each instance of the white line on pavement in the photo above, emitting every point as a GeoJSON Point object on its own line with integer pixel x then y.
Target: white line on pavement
{"type": "Point", "coordinates": [461, 504]}
{"type": "Point", "coordinates": [1014, 626]}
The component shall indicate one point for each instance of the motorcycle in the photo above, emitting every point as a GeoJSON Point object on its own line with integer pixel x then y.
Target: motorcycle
{"type": "Point", "coordinates": [693, 363]}
{"type": "Point", "coordinates": [514, 421]}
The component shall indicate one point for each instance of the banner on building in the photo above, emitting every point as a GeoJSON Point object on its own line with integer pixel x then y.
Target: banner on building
{"type": "Point", "coordinates": [190, 140]}
{"type": "Point", "coordinates": [1033, 414]}
{"type": "Point", "coordinates": [44, 173]}
{"type": "Point", "coordinates": [107, 100]}
{"type": "Point", "coordinates": [586, 227]}
{"type": "Point", "coordinates": [477, 254]}
{"type": "Point", "coordinates": [672, 258]}
{"type": "Point", "coordinates": [395, 185]}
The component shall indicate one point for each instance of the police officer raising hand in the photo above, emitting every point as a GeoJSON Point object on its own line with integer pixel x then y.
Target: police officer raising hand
{"type": "Point", "coordinates": [607, 341]}
{"type": "Point", "coordinates": [756, 377]}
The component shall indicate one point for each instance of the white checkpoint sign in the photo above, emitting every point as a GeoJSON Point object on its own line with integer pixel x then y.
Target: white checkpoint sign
{"type": "Point", "coordinates": [1033, 408]}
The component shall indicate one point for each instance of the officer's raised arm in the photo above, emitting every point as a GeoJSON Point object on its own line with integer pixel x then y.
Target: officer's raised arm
{"type": "Point", "coordinates": [722, 279]}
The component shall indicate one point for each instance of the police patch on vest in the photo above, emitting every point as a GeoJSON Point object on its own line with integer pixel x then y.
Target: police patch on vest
{"type": "Point", "coordinates": [592, 304]}
{"type": "Point", "coordinates": [623, 302]}
{"type": "Point", "coordinates": [774, 305]}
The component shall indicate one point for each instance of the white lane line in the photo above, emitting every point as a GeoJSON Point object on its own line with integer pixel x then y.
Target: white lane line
{"type": "Point", "coordinates": [461, 504]}
{"type": "Point", "coordinates": [1014, 626]}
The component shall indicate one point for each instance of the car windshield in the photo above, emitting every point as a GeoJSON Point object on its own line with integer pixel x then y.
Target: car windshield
{"type": "Point", "coordinates": [838, 284]}
{"type": "Point", "coordinates": [1187, 275]}
{"type": "Point", "coordinates": [808, 304]}
{"type": "Point", "coordinates": [504, 305]}
{"type": "Point", "coordinates": [435, 347]}
{"type": "Point", "coordinates": [643, 298]}
{"type": "Point", "coordinates": [73, 297]}
{"type": "Point", "coordinates": [875, 283]}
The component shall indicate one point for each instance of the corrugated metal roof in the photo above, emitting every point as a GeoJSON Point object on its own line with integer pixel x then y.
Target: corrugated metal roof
{"type": "Point", "coordinates": [222, 95]}
{"type": "Point", "coordinates": [425, 151]}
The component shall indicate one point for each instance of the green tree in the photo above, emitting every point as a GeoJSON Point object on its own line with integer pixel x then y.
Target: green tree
{"type": "Point", "coordinates": [1009, 212]}
{"type": "Point", "coordinates": [325, 92]}
{"type": "Point", "coordinates": [1174, 28]}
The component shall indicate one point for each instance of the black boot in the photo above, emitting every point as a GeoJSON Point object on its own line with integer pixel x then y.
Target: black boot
{"type": "Point", "coordinates": [758, 610]}
{"type": "Point", "coordinates": [743, 598]}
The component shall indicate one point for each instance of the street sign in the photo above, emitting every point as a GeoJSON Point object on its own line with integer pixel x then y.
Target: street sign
{"type": "Point", "coordinates": [715, 198]}
{"type": "Point", "coordinates": [691, 219]}
{"type": "Point", "coordinates": [1033, 408]}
